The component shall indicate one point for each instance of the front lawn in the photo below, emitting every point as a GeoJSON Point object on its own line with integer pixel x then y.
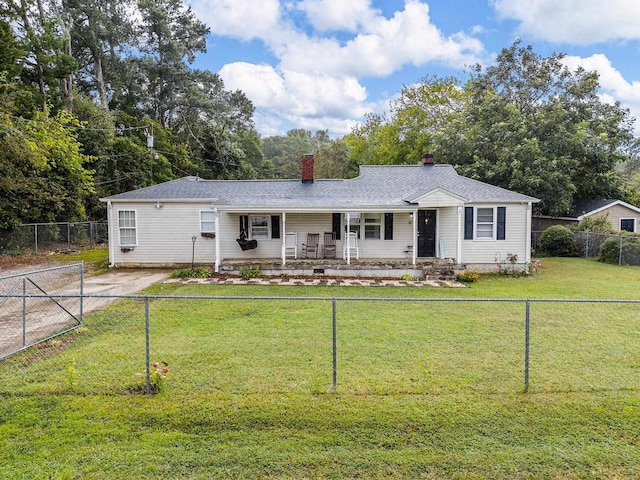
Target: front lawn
{"type": "Point", "coordinates": [425, 389]}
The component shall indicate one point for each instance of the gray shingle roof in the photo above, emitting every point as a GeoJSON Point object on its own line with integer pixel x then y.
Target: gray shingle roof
{"type": "Point", "coordinates": [376, 186]}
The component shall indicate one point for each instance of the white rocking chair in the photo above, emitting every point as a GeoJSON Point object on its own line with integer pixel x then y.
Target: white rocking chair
{"type": "Point", "coordinates": [351, 246]}
{"type": "Point", "coordinates": [291, 245]}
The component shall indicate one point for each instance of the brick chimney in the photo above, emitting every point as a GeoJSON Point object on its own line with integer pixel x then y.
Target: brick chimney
{"type": "Point", "coordinates": [427, 159]}
{"type": "Point", "coordinates": [307, 168]}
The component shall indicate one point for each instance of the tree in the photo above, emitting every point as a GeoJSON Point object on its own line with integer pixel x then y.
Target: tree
{"type": "Point", "coordinates": [535, 127]}
{"type": "Point", "coordinates": [42, 170]}
{"type": "Point", "coordinates": [406, 132]}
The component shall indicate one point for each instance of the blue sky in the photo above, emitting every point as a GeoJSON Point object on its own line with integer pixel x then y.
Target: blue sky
{"type": "Point", "coordinates": [324, 64]}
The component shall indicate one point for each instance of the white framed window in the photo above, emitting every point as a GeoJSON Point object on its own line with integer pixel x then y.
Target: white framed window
{"type": "Point", "coordinates": [367, 224]}
{"type": "Point", "coordinates": [628, 224]}
{"type": "Point", "coordinates": [372, 225]}
{"type": "Point", "coordinates": [127, 228]}
{"type": "Point", "coordinates": [354, 223]}
{"type": "Point", "coordinates": [207, 221]}
{"type": "Point", "coordinates": [259, 226]}
{"type": "Point", "coordinates": [485, 223]}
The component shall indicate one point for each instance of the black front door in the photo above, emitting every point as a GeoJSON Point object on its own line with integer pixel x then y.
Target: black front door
{"type": "Point", "coordinates": [426, 233]}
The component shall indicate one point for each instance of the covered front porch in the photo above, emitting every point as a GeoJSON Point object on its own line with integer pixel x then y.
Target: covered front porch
{"type": "Point", "coordinates": [422, 269]}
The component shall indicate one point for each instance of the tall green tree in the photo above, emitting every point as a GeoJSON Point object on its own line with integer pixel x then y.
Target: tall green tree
{"type": "Point", "coordinates": [534, 126]}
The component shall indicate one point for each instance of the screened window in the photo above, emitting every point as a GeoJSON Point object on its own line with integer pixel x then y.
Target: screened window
{"type": "Point", "coordinates": [127, 227]}
{"type": "Point", "coordinates": [628, 224]}
{"type": "Point", "coordinates": [372, 225]}
{"type": "Point", "coordinates": [354, 223]}
{"type": "Point", "coordinates": [259, 227]}
{"type": "Point", "coordinates": [484, 223]}
{"type": "Point", "coordinates": [207, 221]}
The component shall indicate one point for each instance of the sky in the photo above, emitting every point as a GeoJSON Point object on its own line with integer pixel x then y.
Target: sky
{"type": "Point", "coordinates": [325, 64]}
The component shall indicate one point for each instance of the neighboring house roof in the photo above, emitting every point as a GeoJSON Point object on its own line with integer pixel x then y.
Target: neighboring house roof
{"type": "Point", "coordinates": [377, 186]}
{"type": "Point", "coordinates": [587, 208]}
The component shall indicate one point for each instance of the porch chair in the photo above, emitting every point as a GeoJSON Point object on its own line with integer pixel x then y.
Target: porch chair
{"type": "Point", "coordinates": [329, 249]}
{"type": "Point", "coordinates": [291, 245]}
{"type": "Point", "coordinates": [310, 249]}
{"type": "Point", "coordinates": [352, 241]}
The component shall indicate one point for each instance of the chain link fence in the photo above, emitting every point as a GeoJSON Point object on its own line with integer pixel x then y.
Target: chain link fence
{"type": "Point", "coordinates": [371, 346]}
{"type": "Point", "coordinates": [39, 304]}
{"type": "Point", "coordinates": [39, 237]}
{"type": "Point", "coordinates": [615, 249]}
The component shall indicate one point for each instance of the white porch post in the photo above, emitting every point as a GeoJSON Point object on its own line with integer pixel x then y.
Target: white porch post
{"type": "Point", "coordinates": [528, 234]}
{"type": "Point", "coordinates": [284, 238]}
{"type": "Point", "coordinates": [414, 248]}
{"type": "Point", "coordinates": [459, 242]}
{"type": "Point", "coordinates": [216, 219]}
{"type": "Point", "coordinates": [112, 233]}
{"type": "Point", "coordinates": [347, 239]}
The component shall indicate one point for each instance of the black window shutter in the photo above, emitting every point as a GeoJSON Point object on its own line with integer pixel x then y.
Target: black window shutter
{"type": "Point", "coordinates": [275, 226]}
{"type": "Point", "coordinates": [468, 223]}
{"type": "Point", "coordinates": [335, 225]}
{"type": "Point", "coordinates": [388, 226]}
{"type": "Point", "coordinates": [502, 223]}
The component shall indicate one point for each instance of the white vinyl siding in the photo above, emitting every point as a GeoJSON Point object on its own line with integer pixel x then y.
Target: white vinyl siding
{"type": "Point", "coordinates": [127, 228]}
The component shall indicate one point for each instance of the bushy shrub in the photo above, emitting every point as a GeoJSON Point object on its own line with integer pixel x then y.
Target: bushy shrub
{"type": "Point", "coordinates": [196, 272]}
{"type": "Point", "coordinates": [558, 241]}
{"type": "Point", "coordinates": [596, 224]}
{"type": "Point", "coordinates": [249, 273]}
{"type": "Point", "coordinates": [468, 276]}
{"type": "Point", "coordinates": [610, 251]}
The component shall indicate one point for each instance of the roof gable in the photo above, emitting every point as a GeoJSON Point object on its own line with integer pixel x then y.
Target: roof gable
{"type": "Point", "coordinates": [588, 208]}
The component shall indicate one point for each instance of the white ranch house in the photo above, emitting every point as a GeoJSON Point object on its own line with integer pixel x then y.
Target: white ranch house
{"type": "Point", "coordinates": [406, 213]}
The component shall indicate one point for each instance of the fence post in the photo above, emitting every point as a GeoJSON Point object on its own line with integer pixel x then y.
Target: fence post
{"type": "Point", "coordinates": [586, 251]}
{"type": "Point", "coordinates": [81, 291]}
{"type": "Point", "coordinates": [24, 311]}
{"type": "Point", "coordinates": [147, 343]}
{"type": "Point", "coordinates": [526, 347]}
{"type": "Point", "coordinates": [620, 252]}
{"type": "Point", "coordinates": [35, 228]}
{"type": "Point", "coordinates": [335, 346]}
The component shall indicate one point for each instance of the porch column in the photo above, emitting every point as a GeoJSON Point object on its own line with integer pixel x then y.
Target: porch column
{"type": "Point", "coordinates": [459, 242]}
{"type": "Point", "coordinates": [283, 233]}
{"type": "Point", "coordinates": [414, 248]}
{"type": "Point", "coordinates": [348, 219]}
{"type": "Point", "coordinates": [216, 219]}
{"type": "Point", "coordinates": [111, 233]}
{"type": "Point", "coordinates": [528, 235]}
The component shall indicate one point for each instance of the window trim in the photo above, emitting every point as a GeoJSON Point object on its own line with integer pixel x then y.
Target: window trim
{"type": "Point", "coordinates": [267, 234]}
{"type": "Point", "coordinates": [134, 228]}
{"type": "Point", "coordinates": [213, 221]}
{"type": "Point", "coordinates": [477, 223]}
{"type": "Point", "coordinates": [360, 226]}
{"type": "Point", "coordinates": [635, 224]}
{"type": "Point", "coordinates": [498, 223]}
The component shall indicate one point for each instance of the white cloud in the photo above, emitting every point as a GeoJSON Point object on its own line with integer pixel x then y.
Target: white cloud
{"type": "Point", "coordinates": [238, 18]}
{"type": "Point", "coordinates": [580, 22]}
{"type": "Point", "coordinates": [302, 99]}
{"type": "Point", "coordinates": [383, 46]}
{"type": "Point", "coordinates": [338, 14]}
{"type": "Point", "coordinates": [316, 81]}
{"type": "Point", "coordinates": [613, 84]}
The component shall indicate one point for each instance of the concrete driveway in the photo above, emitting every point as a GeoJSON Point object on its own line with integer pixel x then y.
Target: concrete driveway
{"type": "Point", "coordinates": [123, 282]}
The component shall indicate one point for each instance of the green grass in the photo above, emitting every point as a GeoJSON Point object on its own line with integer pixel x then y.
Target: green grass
{"type": "Point", "coordinates": [425, 389]}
